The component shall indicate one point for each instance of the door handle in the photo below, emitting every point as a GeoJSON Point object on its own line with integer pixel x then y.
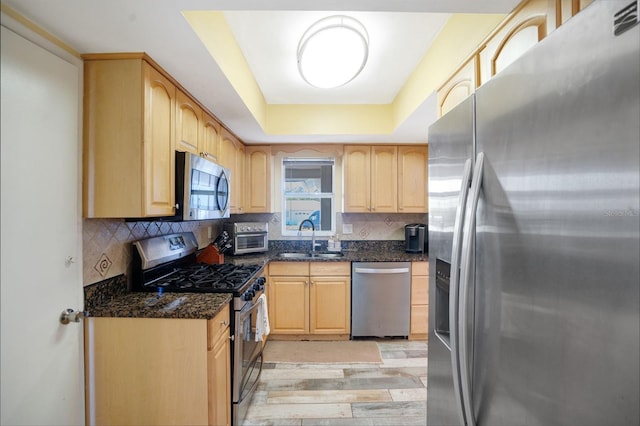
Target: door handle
{"type": "Point", "coordinates": [455, 284]}
{"type": "Point", "coordinates": [69, 315]}
{"type": "Point", "coordinates": [468, 242]}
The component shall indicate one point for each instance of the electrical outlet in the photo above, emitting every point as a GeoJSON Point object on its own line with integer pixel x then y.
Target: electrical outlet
{"type": "Point", "coordinates": [210, 231]}
{"type": "Point", "coordinates": [347, 228]}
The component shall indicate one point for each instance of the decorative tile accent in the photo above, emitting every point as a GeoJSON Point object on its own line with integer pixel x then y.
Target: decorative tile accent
{"type": "Point", "coordinates": [103, 265]}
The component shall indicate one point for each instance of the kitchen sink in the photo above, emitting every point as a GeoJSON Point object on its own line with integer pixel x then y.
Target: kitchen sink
{"type": "Point", "coordinates": [295, 255]}
{"type": "Point", "coordinates": [327, 255]}
{"type": "Point", "coordinates": [304, 255]}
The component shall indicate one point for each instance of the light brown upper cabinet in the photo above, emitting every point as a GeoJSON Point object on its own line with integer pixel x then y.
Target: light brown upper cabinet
{"type": "Point", "coordinates": [412, 179]}
{"type": "Point", "coordinates": [370, 179]}
{"type": "Point", "coordinates": [458, 87]}
{"type": "Point", "coordinates": [569, 8]}
{"type": "Point", "coordinates": [231, 156]}
{"type": "Point", "coordinates": [197, 132]}
{"type": "Point", "coordinates": [521, 30]}
{"type": "Point", "coordinates": [129, 138]}
{"type": "Point", "coordinates": [257, 179]}
{"type": "Point", "coordinates": [210, 137]}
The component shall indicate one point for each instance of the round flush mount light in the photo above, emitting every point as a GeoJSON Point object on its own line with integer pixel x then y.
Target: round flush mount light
{"type": "Point", "coordinates": [333, 51]}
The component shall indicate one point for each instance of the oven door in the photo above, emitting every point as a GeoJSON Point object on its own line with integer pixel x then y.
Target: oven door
{"type": "Point", "coordinates": [247, 359]}
{"type": "Point", "coordinates": [250, 243]}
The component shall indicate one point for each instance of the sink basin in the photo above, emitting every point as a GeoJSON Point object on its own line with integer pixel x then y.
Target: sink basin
{"type": "Point", "coordinates": [301, 255]}
{"type": "Point", "coordinates": [327, 255]}
{"type": "Point", "coordinates": [294, 255]}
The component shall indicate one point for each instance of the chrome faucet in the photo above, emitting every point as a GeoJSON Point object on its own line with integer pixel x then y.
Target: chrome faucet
{"type": "Point", "coordinates": [313, 233]}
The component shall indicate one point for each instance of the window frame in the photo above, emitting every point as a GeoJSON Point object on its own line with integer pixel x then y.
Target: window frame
{"type": "Point", "coordinates": [332, 196]}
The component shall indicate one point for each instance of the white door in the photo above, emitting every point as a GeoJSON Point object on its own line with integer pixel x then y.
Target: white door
{"type": "Point", "coordinates": [42, 381]}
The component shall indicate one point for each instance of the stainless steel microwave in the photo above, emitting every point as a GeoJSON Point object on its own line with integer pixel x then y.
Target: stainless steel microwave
{"type": "Point", "coordinates": [202, 188]}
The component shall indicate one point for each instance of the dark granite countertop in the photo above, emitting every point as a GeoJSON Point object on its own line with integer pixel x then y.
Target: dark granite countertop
{"type": "Point", "coordinates": [353, 251]}
{"type": "Point", "coordinates": [111, 298]}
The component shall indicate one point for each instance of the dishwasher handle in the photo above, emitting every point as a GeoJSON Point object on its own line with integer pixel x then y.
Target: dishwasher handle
{"type": "Point", "coordinates": [382, 270]}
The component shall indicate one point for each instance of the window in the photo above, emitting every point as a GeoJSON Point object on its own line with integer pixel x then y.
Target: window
{"type": "Point", "coordinates": [308, 194]}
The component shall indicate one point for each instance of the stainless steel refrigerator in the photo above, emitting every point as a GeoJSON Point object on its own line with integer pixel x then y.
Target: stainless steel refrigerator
{"type": "Point", "coordinates": [534, 227]}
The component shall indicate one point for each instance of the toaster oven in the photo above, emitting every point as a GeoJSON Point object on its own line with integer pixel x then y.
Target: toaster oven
{"type": "Point", "coordinates": [248, 237]}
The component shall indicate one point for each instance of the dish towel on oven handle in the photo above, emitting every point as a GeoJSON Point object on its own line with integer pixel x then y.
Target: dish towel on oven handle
{"type": "Point", "coordinates": [262, 320]}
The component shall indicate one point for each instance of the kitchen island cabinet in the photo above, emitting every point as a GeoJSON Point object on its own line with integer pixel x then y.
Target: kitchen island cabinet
{"type": "Point", "coordinates": [158, 371]}
{"type": "Point", "coordinates": [129, 138]}
{"type": "Point", "coordinates": [311, 299]}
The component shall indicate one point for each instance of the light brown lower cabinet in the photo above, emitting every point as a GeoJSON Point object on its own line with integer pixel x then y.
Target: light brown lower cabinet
{"type": "Point", "coordinates": [310, 299]}
{"type": "Point", "coordinates": [157, 371]}
{"type": "Point", "coordinates": [419, 328]}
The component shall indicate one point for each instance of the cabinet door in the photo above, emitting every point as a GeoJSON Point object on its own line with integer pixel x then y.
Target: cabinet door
{"type": "Point", "coordinates": [330, 305]}
{"type": "Point", "coordinates": [288, 305]}
{"type": "Point", "coordinates": [258, 179]}
{"type": "Point", "coordinates": [210, 137]}
{"type": "Point", "coordinates": [357, 179]}
{"type": "Point", "coordinates": [419, 300]}
{"type": "Point", "coordinates": [238, 184]}
{"type": "Point", "coordinates": [529, 24]}
{"type": "Point", "coordinates": [229, 157]}
{"type": "Point", "coordinates": [159, 134]}
{"type": "Point", "coordinates": [384, 179]}
{"type": "Point", "coordinates": [412, 179]}
{"type": "Point", "coordinates": [188, 123]}
{"type": "Point", "coordinates": [219, 364]}
{"type": "Point", "coordinates": [459, 87]}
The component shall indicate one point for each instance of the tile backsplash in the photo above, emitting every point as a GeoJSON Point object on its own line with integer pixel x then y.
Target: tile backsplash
{"type": "Point", "coordinates": [107, 244]}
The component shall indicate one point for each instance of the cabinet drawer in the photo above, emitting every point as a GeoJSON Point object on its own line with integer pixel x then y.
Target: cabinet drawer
{"type": "Point", "coordinates": [419, 319]}
{"type": "Point", "coordinates": [419, 290]}
{"type": "Point", "coordinates": [216, 326]}
{"type": "Point", "coordinates": [330, 268]}
{"type": "Point", "coordinates": [420, 268]}
{"type": "Point", "coordinates": [291, 269]}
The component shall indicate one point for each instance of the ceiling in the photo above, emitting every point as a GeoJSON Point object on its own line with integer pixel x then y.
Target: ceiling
{"type": "Point", "coordinates": [248, 87]}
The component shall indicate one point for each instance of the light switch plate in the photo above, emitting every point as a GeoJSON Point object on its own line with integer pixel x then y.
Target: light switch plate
{"type": "Point", "coordinates": [347, 228]}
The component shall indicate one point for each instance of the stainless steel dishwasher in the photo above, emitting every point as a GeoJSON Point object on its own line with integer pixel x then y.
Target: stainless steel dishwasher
{"type": "Point", "coordinates": [380, 299]}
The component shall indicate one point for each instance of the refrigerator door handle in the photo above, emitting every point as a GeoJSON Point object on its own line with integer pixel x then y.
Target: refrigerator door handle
{"type": "Point", "coordinates": [465, 285]}
{"type": "Point", "coordinates": [454, 286]}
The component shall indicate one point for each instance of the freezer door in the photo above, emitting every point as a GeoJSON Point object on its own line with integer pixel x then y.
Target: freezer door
{"type": "Point", "coordinates": [450, 146]}
{"type": "Point", "coordinates": [558, 231]}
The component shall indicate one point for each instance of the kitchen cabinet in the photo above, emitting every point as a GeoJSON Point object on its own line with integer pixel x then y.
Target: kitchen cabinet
{"type": "Point", "coordinates": [158, 371]}
{"type": "Point", "coordinates": [419, 327]}
{"type": "Point", "coordinates": [310, 298]}
{"type": "Point", "coordinates": [257, 179]}
{"type": "Point", "coordinates": [459, 86]}
{"type": "Point", "coordinates": [370, 178]}
{"type": "Point", "coordinates": [569, 9]}
{"type": "Point", "coordinates": [219, 368]}
{"type": "Point", "coordinates": [129, 138]}
{"type": "Point", "coordinates": [231, 156]}
{"type": "Point", "coordinates": [412, 179]}
{"type": "Point", "coordinates": [529, 23]}
{"type": "Point", "coordinates": [197, 131]}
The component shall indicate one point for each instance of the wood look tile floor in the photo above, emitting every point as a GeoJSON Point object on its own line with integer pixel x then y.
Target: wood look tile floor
{"type": "Point", "coordinates": [391, 393]}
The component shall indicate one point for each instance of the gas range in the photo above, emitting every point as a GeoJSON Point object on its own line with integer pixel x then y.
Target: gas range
{"type": "Point", "coordinates": [168, 264]}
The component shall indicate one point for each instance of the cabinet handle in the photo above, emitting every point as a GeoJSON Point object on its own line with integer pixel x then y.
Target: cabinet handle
{"type": "Point", "coordinates": [224, 323]}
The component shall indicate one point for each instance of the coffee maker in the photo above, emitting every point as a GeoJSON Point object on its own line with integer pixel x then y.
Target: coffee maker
{"type": "Point", "coordinates": [416, 238]}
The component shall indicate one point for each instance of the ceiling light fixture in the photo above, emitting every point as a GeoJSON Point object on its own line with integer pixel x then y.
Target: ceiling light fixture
{"type": "Point", "coordinates": [333, 51]}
